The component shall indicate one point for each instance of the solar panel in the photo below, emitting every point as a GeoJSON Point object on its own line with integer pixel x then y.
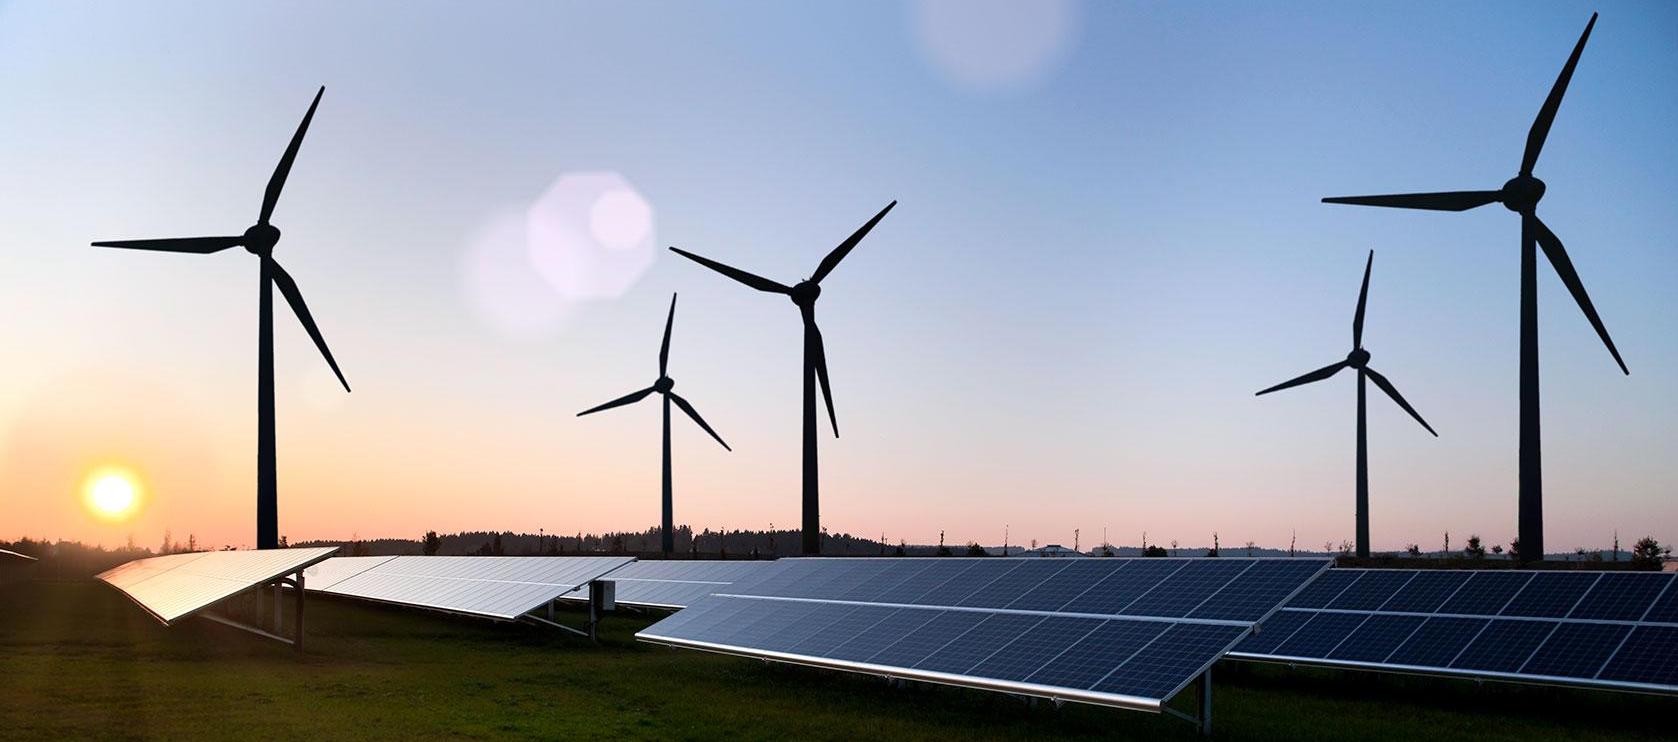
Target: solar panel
{"type": "Point", "coordinates": [1120, 632]}
{"type": "Point", "coordinates": [178, 585]}
{"type": "Point", "coordinates": [675, 583]}
{"type": "Point", "coordinates": [1614, 630]}
{"type": "Point", "coordinates": [503, 588]}
{"type": "Point", "coordinates": [4, 553]}
{"type": "Point", "coordinates": [337, 569]}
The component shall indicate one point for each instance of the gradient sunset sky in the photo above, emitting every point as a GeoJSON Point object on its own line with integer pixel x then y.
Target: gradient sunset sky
{"type": "Point", "coordinates": [1108, 237]}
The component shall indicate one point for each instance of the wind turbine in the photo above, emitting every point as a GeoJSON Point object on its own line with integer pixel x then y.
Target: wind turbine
{"type": "Point", "coordinates": [663, 386]}
{"type": "Point", "coordinates": [1521, 195]}
{"type": "Point", "coordinates": [259, 240]}
{"type": "Point", "coordinates": [1359, 359]}
{"type": "Point", "coordinates": [804, 294]}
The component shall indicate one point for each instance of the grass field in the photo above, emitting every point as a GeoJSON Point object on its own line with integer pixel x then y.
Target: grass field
{"type": "Point", "coordinates": [78, 661]}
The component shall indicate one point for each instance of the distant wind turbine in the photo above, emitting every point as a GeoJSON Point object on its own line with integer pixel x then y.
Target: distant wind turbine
{"type": "Point", "coordinates": [1521, 195]}
{"type": "Point", "coordinates": [663, 386]}
{"type": "Point", "coordinates": [804, 294]}
{"type": "Point", "coordinates": [1359, 359]}
{"type": "Point", "coordinates": [259, 240]}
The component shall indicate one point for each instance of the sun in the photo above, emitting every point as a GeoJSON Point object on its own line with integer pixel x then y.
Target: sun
{"type": "Point", "coordinates": [112, 493]}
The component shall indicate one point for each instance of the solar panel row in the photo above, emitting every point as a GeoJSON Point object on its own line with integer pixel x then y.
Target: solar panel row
{"type": "Point", "coordinates": [676, 583]}
{"type": "Point", "coordinates": [1120, 632]}
{"type": "Point", "coordinates": [1606, 629]}
{"type": "Point", "coordinates": [178, 585]}
{"type": "Point", "coordinates": [503, 588]}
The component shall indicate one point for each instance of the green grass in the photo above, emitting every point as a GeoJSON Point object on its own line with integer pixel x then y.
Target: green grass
{"type": "Point", "coordinates": [78, 661]}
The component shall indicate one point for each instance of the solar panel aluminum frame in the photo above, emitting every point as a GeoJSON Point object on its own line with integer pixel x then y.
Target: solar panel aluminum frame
{"type": "Point", "coordinates": [13, 554]}
{"type": "Point", "coordinates": [1057, 694]}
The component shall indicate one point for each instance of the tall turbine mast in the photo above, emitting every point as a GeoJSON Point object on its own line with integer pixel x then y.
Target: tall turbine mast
{"type": "Point", "coordinates": [259, 240]}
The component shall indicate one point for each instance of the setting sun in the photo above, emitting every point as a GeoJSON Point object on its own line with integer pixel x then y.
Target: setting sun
{"type": "Point", "coordinates": [112, 494]}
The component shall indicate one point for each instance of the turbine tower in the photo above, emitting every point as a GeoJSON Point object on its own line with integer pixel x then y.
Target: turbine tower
{"type": "Point", "coordinates": [663, 386]}
{"type": "Point", "coordinates": [1359, 359]}
{"type": "Point", "coordinates": [1521, 195]}
{"type": "Point", "coordinates": [259, 240]}
{"type": "Point", "coordinates": [804, 294]}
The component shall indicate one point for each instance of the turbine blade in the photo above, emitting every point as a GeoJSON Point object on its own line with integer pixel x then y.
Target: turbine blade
{"type": "Point", "coordinates": [813, 335]}
{"type": "Point", "coordinates": [682, 403]}
{"type": "Point", "coordinates": [1387, 386]}
{"type": "Point", "coordinates": [832, 260]}
{"type": "Point", "coordinates": [1564, 268]}
{"type": "Point", "coordinates": [1547, 114]}
{"type": "Point", "coordinates": [1363, 298]}
{"type": "Point", "coordinates": [1445, 201]}
{"type": "Point", "coordinates": [1317, 375]}
{"type": "Point", "coordinates": [629, 398]}
{"type": "Point", "coordinates": [755, 281]}
{"type": "Point", "coordinates": [276, 182]}
{"type": "Point", "coordinates": [288, 289]}
{"type": "Point", "coordinates": [200, 245]}
{"type": "Point", "coordinates": [664, 350]}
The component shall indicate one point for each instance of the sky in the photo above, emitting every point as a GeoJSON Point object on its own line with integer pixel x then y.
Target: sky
{"type": "Point", "coordinates": [1108, 236]}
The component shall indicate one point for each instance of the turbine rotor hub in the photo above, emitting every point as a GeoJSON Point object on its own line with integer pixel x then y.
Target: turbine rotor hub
{"type": "Point", "coordinates": [664, 385]}
{"type": "Point", "coordinates": [805, 293]}
{"type": "Point", "coordinates": [260, 239]}
{"type": "Point", "coordinates": [1358, 358]}
{"type": "Point", "coordinates": [1522, 193]}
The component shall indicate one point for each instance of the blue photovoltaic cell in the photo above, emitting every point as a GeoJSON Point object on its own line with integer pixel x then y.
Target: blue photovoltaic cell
{"type": "Point", "coordinates": [1321, 634]}
{"type": "Point", "coordinates": [1275, 630]}
{"type": "Point", "coordinates": [1486, 593]}
{"type": "Point", "coordinates": [1376, 638]}
{"type": "Point", "coordinates": [1665, 609]}
{"type": "Point", "coordinates": [876, 584]}
{"type": "Point", "coordinates": [1033, 649]}
{"type": "Point", "coordinates": [1371, 590]}
{"type": "Point", "coordinates": [1621, 597]}
{"type": "Point", "coordinates": [980, 642]}
{"type": "Point", "coordinates": [1504, 646]}
{"type": "Point", "coordinates": [917, 645]}
{"type": "Point", "coordinates": [887, 631]}
{"type": "Point", "coordinates": [1171, 661]}
{"type": "Point", "coordinates": [1123, 587]}
{"type": "Point", "coordinates": [923, 581]}
{"type": "Point", "coordinates": [1258, 591]}
{"type": "Point", "coordinates": [1426, 592]}
{"type": "Point", "coordinates": [1067, 584]}
{"type": "Point", "coordinates": [1009, 587]}
{"type": "Point", "coordinates": [1097, 654]}
{"type": "Point", "coordinates": [1437, 642]}
{"type": "Point", "coordinates": [1650, 655]}
{"type": "Point", "coordinates": [1551, 594]}
{"type": "Point", "coordinates": [1187, 588]}
{"type": "Point", "coordinates": [801, 623]}
{"type": "Point", "coordinates": [968, 582]}
{"type": "Point", "coordinates": [854, 622]}
{"type": "Point", "coordinates": [1576, 650]}
{"type": "Point", "coordinates": [1324, 589]}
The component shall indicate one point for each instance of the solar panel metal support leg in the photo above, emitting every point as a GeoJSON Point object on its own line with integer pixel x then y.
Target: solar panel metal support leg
{"type": "Point", "coordinates": [297, 628]}
{"type": "Point", "coordinates": [1206, 702]}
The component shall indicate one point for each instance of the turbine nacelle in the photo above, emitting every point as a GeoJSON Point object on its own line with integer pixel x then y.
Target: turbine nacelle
{"type": "Point", "coordinates": [1358, 358]}
{"type": "Point", "coordinates": [664, 385]}
{"type": "Point", "coordinates": [260, 239]}
{"type": "Point", "coordinates": [1521, 194]}
{"type": "Point", "coordinates": [805, 293]}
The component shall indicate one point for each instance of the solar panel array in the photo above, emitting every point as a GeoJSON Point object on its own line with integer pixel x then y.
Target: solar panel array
{"type": "Point", "coordinates": [178, 585]}
{"type": "Point", "coordinates": [1600, 629]}
{"type": "Point", "coordinates": [1119, 632]}
{"type": "Point", "coordinates": [502, 588]}
{"type": "Point", "coordinates": [677, 584]}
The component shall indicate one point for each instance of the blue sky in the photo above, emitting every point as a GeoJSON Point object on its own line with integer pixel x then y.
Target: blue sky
{"type": "Point", "coordinates": [1060, 326]}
